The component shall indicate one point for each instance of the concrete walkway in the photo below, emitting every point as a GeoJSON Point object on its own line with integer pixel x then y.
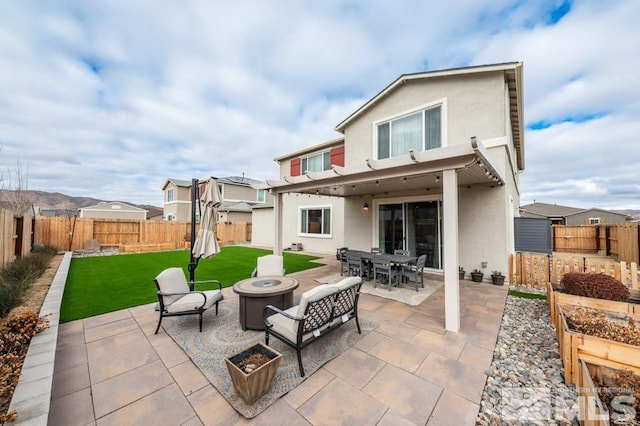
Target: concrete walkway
{"type": "Point", "coordinates": [112, 370]}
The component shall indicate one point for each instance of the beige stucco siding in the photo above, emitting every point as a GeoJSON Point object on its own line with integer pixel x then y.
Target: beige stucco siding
{"type": "Point", "coordinates": [473, 106]}
{"type": "Point", "coordinates": [291, 223]}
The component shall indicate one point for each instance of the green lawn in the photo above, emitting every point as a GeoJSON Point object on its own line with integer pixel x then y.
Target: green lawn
{"type": "Point", "coordinates": [100, 284]}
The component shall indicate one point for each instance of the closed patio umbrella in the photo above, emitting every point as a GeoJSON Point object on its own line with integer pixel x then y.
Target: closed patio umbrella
{"type": "Point", "coordinates": [206, 243]}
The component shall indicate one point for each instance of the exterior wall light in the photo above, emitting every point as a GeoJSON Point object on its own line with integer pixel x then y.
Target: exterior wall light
{"type": "Point", "coordinates": [365, 207]}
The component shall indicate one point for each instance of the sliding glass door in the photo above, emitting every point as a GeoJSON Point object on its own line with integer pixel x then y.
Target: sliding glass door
{"type": "Point", "coordinates": [413, 226]}
{"type": "Point", "coordinates": [391, 227]}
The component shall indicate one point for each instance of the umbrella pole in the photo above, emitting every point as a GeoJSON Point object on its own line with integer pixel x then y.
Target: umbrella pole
{"type": "Point", "coordinates": [193, 261]}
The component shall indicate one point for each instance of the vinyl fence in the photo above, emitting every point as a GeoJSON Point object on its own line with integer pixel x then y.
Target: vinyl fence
{"type": "Point", "coordinates": [535, 269]}
{"type": "Point", "coordinates": [73, 233]}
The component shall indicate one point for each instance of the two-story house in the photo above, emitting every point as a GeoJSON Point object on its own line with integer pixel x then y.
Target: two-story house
{"type": "Point", "coordinates": [429, 164]}
{"type": "Point", "coordinates": [238, 194]}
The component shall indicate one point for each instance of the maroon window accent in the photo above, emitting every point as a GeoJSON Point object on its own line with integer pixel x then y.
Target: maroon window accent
{"type": "Point", "coordinates": [337, 156]}
{"type": "Point", "coordinates": [295, 167]}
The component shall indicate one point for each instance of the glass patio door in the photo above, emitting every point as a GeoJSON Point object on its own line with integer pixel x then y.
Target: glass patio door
{"type": "Point", "coordinates": [413, 226]}
{"type": "Point", "coordinates": [391, 227]}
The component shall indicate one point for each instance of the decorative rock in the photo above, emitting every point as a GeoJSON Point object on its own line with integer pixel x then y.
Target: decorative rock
{"type": "Point", "coordinates": [525, 383]}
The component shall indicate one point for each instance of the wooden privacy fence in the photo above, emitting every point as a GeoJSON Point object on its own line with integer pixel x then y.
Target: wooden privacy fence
{"type": "Point", "coordinates": [16, 233]}
{"type": "Point", "coordinates": [621, 240]}
{"type": "Point", "coordinates": [72, 233]}
{"type": "Point", "coordinates": [536, 269]}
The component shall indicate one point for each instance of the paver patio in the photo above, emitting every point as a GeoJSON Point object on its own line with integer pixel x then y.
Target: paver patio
{"type": "Point", "coordinates": [112, 369]}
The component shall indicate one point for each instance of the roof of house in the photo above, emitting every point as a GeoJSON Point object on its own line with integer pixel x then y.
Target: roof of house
{"type": "Point", "coordinates": [513, 78]}
{"type": "Point", "coordinates": [555, 210]}
{"type": "Point", "coordinates": [239, 180]}
{"type": "Point", "coordinates": [233, 180]}
{"type": "Point", "coordinates": [110, 205]}
{"type": "Point", "coordinates": [239, 206]}
{"type": "Point", "coordinates": [318, 147]}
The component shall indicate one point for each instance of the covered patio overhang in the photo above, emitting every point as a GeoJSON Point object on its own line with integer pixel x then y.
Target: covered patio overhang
{"type": "Point", "coordinates": [437, 171]}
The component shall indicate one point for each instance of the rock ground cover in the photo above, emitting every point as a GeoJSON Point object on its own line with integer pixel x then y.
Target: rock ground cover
{"type": "Point", "coordinates": [525, 381]}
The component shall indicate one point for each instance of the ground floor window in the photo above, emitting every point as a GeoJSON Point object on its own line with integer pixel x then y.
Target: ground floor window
{"type": "Point", "coordinates": [315, 220]}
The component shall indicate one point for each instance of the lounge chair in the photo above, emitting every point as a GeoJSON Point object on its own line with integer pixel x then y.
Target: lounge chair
{"type": "Point", "coordinates": [176, 299]}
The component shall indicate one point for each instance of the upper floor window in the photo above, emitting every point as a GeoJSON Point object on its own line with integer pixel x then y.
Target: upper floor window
{"type": "Point", "coordinates": [419, 131]}
{"type": "Point", "coordinates": [594, 221]}
{"type": "Point", "coordinates": [170, 195]}
{"type": "Point", "coordinates": [316, 162]}
{"type": "Point", "coordinates": [315, 220]}
{"type": "Point", "coordinates": [262, 195]}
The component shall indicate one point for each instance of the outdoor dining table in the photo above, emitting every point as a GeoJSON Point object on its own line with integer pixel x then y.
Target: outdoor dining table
{"type": "Point", "coordinates": [397, 260]}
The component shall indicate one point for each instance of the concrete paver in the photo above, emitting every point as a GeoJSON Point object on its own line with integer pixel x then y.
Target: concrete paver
{"type": "Point", "coordinates": [112, 369]}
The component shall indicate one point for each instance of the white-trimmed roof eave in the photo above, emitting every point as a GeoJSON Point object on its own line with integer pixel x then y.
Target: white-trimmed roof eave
{"type": "Point", "coordinates": [471, 160]}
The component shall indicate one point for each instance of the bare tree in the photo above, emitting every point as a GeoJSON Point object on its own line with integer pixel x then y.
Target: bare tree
{"type": "Point", "coordinates": [13, 190]}
{"type": "Point", "coordinates": [72, 217]}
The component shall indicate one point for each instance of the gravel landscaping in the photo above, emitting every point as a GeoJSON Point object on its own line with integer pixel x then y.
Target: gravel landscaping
{"type": "Point", "coordinates": [525, 383]}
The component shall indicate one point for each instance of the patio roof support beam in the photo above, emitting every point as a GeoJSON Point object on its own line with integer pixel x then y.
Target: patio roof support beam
{"type": "Point", "coordinates": [277, 214]}
{"type": "Point", "coordinates": [450, 231]}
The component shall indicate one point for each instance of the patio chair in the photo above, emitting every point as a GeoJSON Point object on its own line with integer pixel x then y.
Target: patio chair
{"type": "Point", "coordinates": [413, 273]}
{"type": "Point", "coordinates": [402, 252]}
{"type": "Point", "coordinates": [176, 299]}
{"type": "Point", "coordinates": [382, 267]}
{"type": "Point", "coordinates": [341, 255]}
{"type": "Point", "coordinates": [354, 263]}
{"type": "Point", "coordinates": [269, 265]}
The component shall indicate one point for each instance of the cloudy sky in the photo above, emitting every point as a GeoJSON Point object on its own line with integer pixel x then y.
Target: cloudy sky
{"type": "Point", "coordinates": [110, 98]}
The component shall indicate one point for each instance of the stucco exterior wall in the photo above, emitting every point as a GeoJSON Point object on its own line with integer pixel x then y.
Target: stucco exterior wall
{"type": "Point", "coordinates": [262, 230]}
{"type": "Point", "coordinates": [232, 192]}
{"type": "Point", "coordinates": [291, 223]}
{"type": "Point", "coordinates": [473, 106]}
{"type": "Point", "coordinates": [582, 218]}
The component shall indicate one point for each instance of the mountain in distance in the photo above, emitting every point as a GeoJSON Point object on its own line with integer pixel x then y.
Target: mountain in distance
{"type": "Point", "coordinates": [64, 203]}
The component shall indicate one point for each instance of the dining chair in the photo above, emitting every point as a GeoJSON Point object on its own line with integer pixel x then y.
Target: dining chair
{"type": "Point", "coordinates": [413, 273]}
{"type": "Point", "coordinates": [354, 263]}
{"type": "Point", "coordinates": [402, 252]}
{"type": "Point", "coordinates": [382, 268]}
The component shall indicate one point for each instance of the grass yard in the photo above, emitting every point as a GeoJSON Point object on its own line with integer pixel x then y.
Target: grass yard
{"type": "Point", "coordinates": [100, 284]}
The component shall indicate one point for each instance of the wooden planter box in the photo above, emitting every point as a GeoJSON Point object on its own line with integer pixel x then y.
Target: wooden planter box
{"type": "Point", "coordinates": [592, 411]}
{"type": "Point", "coordinates": [251, 386]}
{"type": "Point", "coordinates": [576, 346]}
{"type": "Point", "coordinates": [555, 297]}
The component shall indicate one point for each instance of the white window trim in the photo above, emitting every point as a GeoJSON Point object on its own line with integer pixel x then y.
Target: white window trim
{"type": "Point", "coordinates": [594, 221]}
{"type": "Point", "coordinates": [444, 135]}
{"type": "Point", "coordinates": [264, 191]}
{"type": "Point", "coordinates": [313, 154]}
{"type": "Point", "coordinates": [305, 234]}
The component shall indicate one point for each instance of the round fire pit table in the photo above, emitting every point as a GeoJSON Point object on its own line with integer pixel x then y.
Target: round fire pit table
{"type": "Point", "coordinates": [257, 292]}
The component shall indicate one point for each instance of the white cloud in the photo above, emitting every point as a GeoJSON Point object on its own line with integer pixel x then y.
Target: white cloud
{"type": "Point", "coordinates": [110, 98]}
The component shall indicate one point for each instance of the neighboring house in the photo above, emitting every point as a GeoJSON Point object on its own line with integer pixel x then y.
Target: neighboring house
{"type": "Point", "coordinates": [430, 164]}
{"type": "Point", "coordinates": [563, 215]}
{"type": "Point", "coordinates": [113, 210]}
{"type": "Point", "coordinates": [238, 195]}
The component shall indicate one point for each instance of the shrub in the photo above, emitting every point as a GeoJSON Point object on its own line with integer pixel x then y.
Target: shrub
{"type": "Point", "coordinates": [17, 277]}
{"type": "Point", "coordinates": [599, 286]}
{"type": "Point", "coordinates": [16, 332]}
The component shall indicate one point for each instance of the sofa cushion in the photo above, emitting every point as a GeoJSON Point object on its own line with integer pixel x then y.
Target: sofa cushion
{"type": "Point", "coordinates": [286, 326]}
{"type": "Point", "coordinates": [318, 292]}
{"type": "Point", "coordinates": [345, 283]}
